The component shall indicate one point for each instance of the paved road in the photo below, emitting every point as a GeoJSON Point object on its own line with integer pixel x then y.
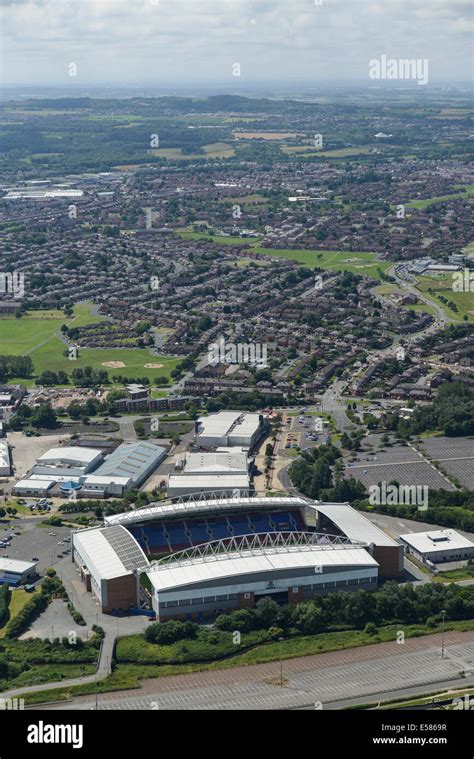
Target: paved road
{"type": "Point", "coordinates": [324, 680]}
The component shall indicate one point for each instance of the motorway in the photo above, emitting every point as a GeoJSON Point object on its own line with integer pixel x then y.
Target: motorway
{"type": "Point", "coordinates": [323, 681]}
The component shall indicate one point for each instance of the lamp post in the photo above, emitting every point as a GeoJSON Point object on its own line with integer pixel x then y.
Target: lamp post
{"type": "Point", "coordinates": [280, 640]}
{"type": "Point", "coordinates": [443, 612]}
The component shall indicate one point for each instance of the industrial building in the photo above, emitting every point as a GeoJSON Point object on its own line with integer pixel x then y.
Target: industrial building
{"type": "Point", "coordinates": [438, 546]}
{"type": "Point", "coordinates": [14, 572]}
{"type": "Point", "coordinates": [126, 468]}
{"type": "Point", "coordinates": [109, 561]}
{"type": "Point", "coordinates": [226, 470]}
{"type": "Point", "coordinates": [230, 429]}
{"type": "Point", "coordinates": [85, 473]}
{"type": "Point", "coordinates": [227, 484]}
{"type": "Point", "coordinates": [343, 519]}
{"type": "Point", "coordinates": [5, 466]}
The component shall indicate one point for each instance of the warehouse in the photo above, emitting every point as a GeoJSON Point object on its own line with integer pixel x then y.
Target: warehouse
{"type": "Point", "coordinates": [72, 459]}
{"type": "Point", "coordinates": [341, 517]}
{"type": "Point", "coordinates": [230, 429]}
{"type": "Point", "coordinates": [225, 484]}
{"type": "Point", "coordinates": [221, 461]}
{"type": "Point", "coordinates": [35, 486]}
{"type": "Point", "coordinates": [109, 561]}
{"type": "Point", "coordinates": [438, 546]}
{"type": "Point", "coordinates": [5, 467]}
{"type": "Point", "coordinates": [216, 578]}
{"type": "Point", "coordinates": [14, 572]}
{"type": "Point", "coordinates": [134, 461]}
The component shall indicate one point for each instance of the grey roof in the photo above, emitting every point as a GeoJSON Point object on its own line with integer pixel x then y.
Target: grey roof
{"type": "Point", "coordinates": [130, 460]}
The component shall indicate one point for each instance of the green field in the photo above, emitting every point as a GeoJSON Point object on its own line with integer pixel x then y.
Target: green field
{"type": "Point", "coordinates": [420, 204]}
{"type": "Point", "coordinates": [213, 150]}
{"type": "Point", "coordinates": [442, 284]}
{"type": "Point", "coordinates": [332, 260]}
{"type": "Point", "coordinates": [35, 335]}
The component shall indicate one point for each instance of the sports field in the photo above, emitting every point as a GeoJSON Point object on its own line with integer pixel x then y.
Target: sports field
{"type": "Point", "coordinates": [442, 285]}
{"type": "Point", "coordinates": [36, 335]}
{"type": "Point", "coordinates": [333, 260]}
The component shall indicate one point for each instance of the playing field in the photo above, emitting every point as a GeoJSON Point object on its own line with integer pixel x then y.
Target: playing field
{"type": "Point", "coordinates": [333, 260]}
{"type": "Point", "coordinates": [36, 335]}
{"type": "Point", "coordinates": [442, 285]}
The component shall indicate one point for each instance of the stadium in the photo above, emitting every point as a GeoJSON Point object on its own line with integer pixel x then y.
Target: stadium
{"type": "Point", "coordinates": [195, 558]}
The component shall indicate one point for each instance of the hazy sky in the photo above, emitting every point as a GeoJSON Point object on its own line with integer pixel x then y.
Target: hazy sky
{"type": "Point", "coordinates": [168, 42]}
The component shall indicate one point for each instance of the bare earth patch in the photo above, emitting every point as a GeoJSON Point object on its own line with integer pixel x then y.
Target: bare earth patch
{"type": "Point", "coordinates": [153, 366]}
{"type": "Point", "coordinates": [113, 364]}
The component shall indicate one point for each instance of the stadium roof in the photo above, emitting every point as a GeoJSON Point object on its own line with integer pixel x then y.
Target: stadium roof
{"type": "Point", "coordinates": [130, 460]}
{"type": "Point", "coordinates": [202, 504]}
{"type": "Point", "coordinates": [242, 562]}
{"type": "Point", "coordinates": [109, 552]}
{"type": "Point", "coordinates": [437, 540]}
{"type": "Point", "coordinates": [353, 524]}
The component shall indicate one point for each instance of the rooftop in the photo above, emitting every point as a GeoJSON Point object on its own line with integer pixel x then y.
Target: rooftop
{"type": "Point", "coordinates": [15, 565]}
{"type": "Point", "coordinates": [130, 460]}
{"type": "Point", "coordinates": [353, 524]}
{"type": "Point", "coordinates": [437, 540]}
{"type": "Point", "coordinates": [241, 561]}
{"type": "Point", "coordinates": [109, 552]}
{"type": "Point", "coordinates": [70, 453]}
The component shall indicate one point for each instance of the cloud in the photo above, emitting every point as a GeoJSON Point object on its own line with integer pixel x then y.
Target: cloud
{"type": "Point", "coordinates": [173, 41]}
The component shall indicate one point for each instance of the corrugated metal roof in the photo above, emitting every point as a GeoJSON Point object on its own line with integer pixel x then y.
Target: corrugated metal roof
{"type": "Point", "coordinates": [130, 460]}
{"type": "Point", "coordinates": [109, 552]}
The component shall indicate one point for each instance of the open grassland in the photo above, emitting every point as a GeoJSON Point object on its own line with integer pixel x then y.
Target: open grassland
{"type": "Point", "coordinates": [333, 260]}
{"type": "Point", "coordinates": [213, 150]}
{"type": "Point", "coordinates": [308, 150]}
{"type": "Point", "coordinates": [36, 335]}
{"type": "Point", "coordinates": [442, 285]}
{"type": "Point", "coordinates": [420, 204]}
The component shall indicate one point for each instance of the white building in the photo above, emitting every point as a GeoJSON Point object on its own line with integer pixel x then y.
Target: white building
{"type": "Point", "coordinates": [5, 467]}
{"type": "Point", "coordinates": [14, 572]}
{"type": "Point", "coordinates": [182, 485]}
{"type": "Point", "coordinates": [438, 546]}
{"type": "Point", "coordinates": [34, 486]}
{"type": "Point", "coordinates": [229, 429]}
{"type": "Point", "coordinates": [70, 459]}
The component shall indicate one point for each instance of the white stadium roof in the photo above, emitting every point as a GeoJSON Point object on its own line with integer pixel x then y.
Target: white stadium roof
{"type": "Point", "coordinates": [109, 552]}
{"type": "Point", "coordinates": [198, 506]}
{"type": "Point", "coordinates": [353, 524]}
{"type": "Point", "coordinates": [228, 565]}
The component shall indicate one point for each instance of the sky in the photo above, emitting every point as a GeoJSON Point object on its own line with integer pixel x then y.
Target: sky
{"type": "Point", "coordinates": [229, 42]}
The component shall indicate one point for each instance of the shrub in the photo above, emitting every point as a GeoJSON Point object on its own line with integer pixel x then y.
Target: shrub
{"type": "Point", "coordinates": [30, 611]}
{"type": "Point", "coordinates": [4, 602]}
{"type": "Point", "coordinates": [170, 632]}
